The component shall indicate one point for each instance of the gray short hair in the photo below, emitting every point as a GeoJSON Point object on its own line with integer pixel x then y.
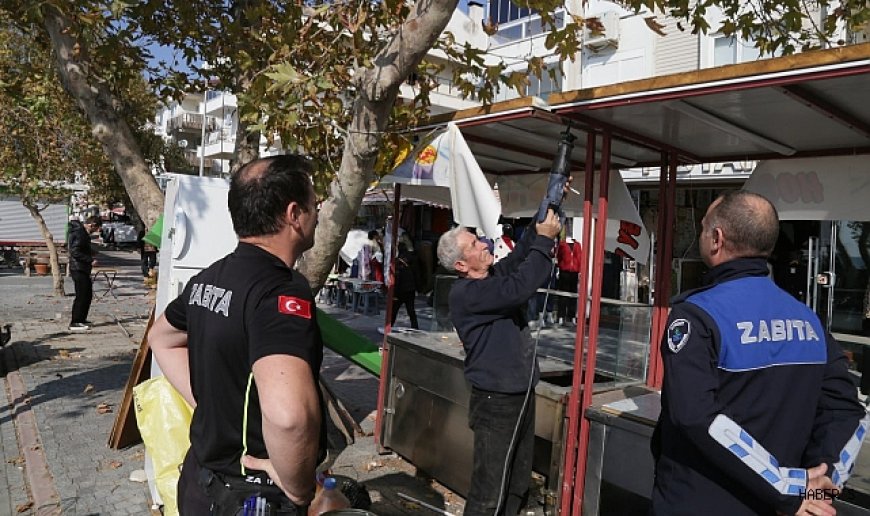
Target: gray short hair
{"type": "Point", "coordinates": [448, 248]}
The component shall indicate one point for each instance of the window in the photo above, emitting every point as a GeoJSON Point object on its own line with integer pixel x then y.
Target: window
{"type": "Point", "coordinates": [728, 50]}
{"type": "Point", "coordinates": [542, 87]}
{"type": "Point", "coordinates": [525, 25]}
{"type": "Point", "coordinates": [503, 11]}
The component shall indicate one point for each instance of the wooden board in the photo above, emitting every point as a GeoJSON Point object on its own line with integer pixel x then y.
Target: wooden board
{"type": "Point", "coordinates": [125, 433]}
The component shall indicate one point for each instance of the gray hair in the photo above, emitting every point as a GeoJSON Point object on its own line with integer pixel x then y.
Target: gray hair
{"type": "Point", "coordinates": [449, 251]}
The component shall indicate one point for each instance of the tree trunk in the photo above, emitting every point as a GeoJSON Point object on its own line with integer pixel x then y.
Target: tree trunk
{"type": "Point", "coordinates": [247, 147]}
{"type": "Point", "coordinates": [57, 276]}
{"type": "Point", "coordinates": [95, 99]}
{"type": "Point", "coordinates": [377, 90]}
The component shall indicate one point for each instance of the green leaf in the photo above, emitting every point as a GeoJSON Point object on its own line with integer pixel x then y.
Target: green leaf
{"type": "Point", "coordinates": [283, 73]}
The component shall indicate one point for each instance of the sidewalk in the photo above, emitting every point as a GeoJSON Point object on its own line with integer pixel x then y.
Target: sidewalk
{"type": "Point", "coordinates": [68, 377]}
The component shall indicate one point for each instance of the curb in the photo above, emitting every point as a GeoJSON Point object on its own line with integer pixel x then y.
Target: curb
{"type": "Point", "coordinates": [46, 500]}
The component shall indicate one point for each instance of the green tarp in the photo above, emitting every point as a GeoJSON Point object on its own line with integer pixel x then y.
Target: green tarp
{"type": "Point", "coordinates": [154, 234]}
{"type": "Point", "coordinates": [349, 344]}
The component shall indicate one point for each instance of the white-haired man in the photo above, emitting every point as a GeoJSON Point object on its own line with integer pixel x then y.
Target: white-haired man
{"type": "Point", "coordinates": [488, 309]}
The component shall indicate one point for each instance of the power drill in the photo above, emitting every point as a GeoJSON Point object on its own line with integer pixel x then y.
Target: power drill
{"type": "Point", "coordinates": [558, 177]}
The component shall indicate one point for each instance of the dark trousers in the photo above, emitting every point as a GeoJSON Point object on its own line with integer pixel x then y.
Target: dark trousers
{"type": "Point", "coordinates": [202, 492]}
{"type": "Point", "coordinates": [493, 417]}
{"type": "Point", "coordinates": [149, 261]}
{"type": "Point", "coordinates": [192, 499]}
{"type": "Point", "coordinates": [407, 299]}
{"type": "Point", "coordinates": [567, 306]}
{"type": "Point", "coordinates": [84, 293]}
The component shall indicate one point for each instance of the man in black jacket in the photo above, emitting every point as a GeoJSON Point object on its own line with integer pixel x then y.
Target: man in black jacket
{"type": "Point", "coordinates": [81, 259]}
{"type": "Point", "coordinates": [759, 413]}
{"type": "Point", "coordinates": [488, 309]}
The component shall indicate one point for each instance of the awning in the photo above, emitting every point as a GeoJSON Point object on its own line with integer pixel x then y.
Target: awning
{"type": "Point", "coordinates": [383, 194]}
{"type": "Point", "coordinates": [815, 188]}
{"type": "Point", "coordinates": [806, 105]}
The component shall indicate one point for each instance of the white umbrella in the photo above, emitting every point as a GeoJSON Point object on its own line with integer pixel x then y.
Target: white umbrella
{"type": "Point", "coordinates": [356, 238]}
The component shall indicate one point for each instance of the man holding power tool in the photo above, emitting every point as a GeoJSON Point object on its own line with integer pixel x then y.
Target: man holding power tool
{"type": "Point", "coordinates": [488, 308]}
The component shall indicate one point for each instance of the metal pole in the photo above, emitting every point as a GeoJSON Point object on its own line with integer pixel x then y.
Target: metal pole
{"type": "Point", "coordinates": [202, 135]}
{"type": "Point", "coordinates": [659, 313]}
{"type": "Point", "coordinates": [667, 257]}
{"type": "Point", "coordinates": [570, 447]}
{"type": "Point", "coordinates": [385, 347]}
{"type": "Point", "coordinates": [594, 320]}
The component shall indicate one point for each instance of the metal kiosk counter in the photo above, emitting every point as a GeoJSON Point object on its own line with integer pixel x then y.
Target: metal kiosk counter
{"type": "Point", "coordinates": [426, 409]}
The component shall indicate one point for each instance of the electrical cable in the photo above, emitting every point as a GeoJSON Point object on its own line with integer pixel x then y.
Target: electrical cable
{"type": "Point", "coordinates": [511, 447]}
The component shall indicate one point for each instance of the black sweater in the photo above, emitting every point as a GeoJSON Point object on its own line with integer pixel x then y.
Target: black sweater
{"type": "Point", "coordinates": [490, 317]}
{"type": "Point", "coordinates": [80, 252]}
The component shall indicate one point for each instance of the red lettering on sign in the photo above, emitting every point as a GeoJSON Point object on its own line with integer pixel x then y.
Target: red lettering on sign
{"type": "Point", "coordinates": [627, 233]}
{"type": "Point", "coordinates": [788, 187]}
{"type": "Point", "coordinates": [811, 187]}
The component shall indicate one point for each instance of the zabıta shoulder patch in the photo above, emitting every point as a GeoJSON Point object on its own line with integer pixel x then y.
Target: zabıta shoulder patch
{"type": "Point", "coordinates": [678, 334]}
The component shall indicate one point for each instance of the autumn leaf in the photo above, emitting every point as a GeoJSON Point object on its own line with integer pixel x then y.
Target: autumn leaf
{"type": "Point", "coordinates": [654, 25]}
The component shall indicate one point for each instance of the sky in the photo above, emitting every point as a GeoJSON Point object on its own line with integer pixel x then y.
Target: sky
{"type": "Point", "coordinates": [167, 54]}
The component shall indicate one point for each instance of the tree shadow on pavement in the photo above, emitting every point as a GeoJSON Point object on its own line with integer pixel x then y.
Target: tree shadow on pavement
{"type": "Point", "coordinates": [70, 378]}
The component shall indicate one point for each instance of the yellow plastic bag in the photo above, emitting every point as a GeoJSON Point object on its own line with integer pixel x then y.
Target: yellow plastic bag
{"type": "Point", "coordinates": [163, 418]}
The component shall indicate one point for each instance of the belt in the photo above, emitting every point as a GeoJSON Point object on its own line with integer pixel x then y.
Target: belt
{"type": "Point", "coordinates": [229, 494]}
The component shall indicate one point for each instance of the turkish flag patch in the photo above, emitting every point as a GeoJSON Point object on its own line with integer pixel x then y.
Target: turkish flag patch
{"type": "Point", "coordinates": [294, 306]}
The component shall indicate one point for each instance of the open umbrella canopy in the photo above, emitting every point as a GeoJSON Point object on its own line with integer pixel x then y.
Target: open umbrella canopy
{"type": "Point", "coordinates": [356, 238]}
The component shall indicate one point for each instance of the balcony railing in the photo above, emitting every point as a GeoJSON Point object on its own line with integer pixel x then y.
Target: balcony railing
{"type": "Point", "coordinates": [190, 122]}
{"type": "Point", "coordinates": [192, 158]}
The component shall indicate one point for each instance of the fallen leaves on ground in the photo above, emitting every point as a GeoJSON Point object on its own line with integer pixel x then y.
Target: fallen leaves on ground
{"type": "Point", "coordinates": [63, 353]}
{"type": "Point", "coordinates": [411, 506]}
{"type": "Point", "coordinates": [89, 389]}
{"type": "Point", "coordinates": [23, 507]}
{"type": "Point", "coordinates": [104, 408]}
{"type": "Point", "coordinates": [115, 464]}
{"type": "Point", "coordinates": [17, 460]}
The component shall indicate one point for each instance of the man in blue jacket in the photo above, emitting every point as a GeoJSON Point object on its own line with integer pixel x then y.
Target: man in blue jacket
{"type": "Point", "coordinates": [488, 309]}
{"type": "Point", "coordinates": [759, 413]}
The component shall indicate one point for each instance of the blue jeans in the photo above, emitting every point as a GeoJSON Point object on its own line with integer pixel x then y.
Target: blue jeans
{"type": "Point", "coordinates": [493, 417]}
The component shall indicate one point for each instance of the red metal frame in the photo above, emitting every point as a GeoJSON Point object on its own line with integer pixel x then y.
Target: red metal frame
{"type": "Point", "coordinates": [385, 347]}
{"type": "Point", "coordinates": [594, 320]}
{"type": "Point", "coordinates": [570, 445]}
{"type": "Point", "coordinates": [668, 256]}
{"type": "Point", "coordinates": [665, 254]}
{"type": "Point", "coordinates": [659, 305]}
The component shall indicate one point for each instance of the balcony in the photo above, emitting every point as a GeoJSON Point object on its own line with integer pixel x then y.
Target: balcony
{"type": "Point", "coordinates": [189, 123]}
{"type": "Point", "coordinates": [218, 103]}
{"type": "Point", "coordinates": [192, 158]}
{"type": "Point", "coordinates": [221, 144]}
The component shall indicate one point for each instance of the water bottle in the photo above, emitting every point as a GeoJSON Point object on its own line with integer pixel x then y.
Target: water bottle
{"type": "Point", "coordinates": [329, 498]}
